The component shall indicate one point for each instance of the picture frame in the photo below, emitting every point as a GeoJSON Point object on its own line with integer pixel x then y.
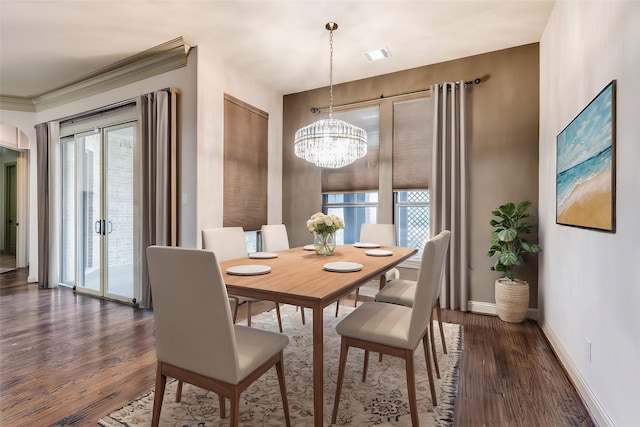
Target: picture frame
{"type": "Point", "coordinates": [586, 166]}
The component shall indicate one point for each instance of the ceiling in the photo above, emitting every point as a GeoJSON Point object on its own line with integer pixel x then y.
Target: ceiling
{"type": "Point", "coordinates": [46, 43]}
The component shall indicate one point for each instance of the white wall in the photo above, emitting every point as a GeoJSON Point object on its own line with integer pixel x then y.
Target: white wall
{"type": "Point", "coordinates": [26, 122]}
{"type": "Point", "coordinates": [184, 79]}
{"type": "Point", "coordinates": [589, 280]}
{"type": "Point", "coordinates": [215, 78]}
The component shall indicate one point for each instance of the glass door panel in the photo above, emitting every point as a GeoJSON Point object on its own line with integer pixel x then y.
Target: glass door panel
{"type": "Point", "coordinates": [119, 143]}
{"type": "Point", "coordinates": [90, 224]}
{"type": "Point", "coordinates": [68, 227]}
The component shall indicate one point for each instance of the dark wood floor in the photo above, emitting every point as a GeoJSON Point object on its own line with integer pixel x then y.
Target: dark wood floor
{"type": "Point", "coordinates": [68, 359]}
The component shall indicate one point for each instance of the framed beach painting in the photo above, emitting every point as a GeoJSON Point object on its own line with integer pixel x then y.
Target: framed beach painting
{"type": "Point", "coordinates": [585, 166]}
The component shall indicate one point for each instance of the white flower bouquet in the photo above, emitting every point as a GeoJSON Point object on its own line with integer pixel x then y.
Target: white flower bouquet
{"type": "Point", "coordinates": [320, 223]}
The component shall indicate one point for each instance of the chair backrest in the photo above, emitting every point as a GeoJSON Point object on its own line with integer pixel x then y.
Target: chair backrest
{"type": "Point", "coordinates": [274, 238]}
{"type": "Point", "coordinates": [382, 234]}
{"type": "Point", "coordinates": [428, 282]}
{"type": "Point", "coordinates": [227, 242]}
{"type": "Point", "coordinates": [193, 322]}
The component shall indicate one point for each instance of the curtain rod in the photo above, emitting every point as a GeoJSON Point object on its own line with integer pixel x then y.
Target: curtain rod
{"type": "Point", "coordinates": [317, 110]}
{"type": "Point", "coordinates": [108, 108]}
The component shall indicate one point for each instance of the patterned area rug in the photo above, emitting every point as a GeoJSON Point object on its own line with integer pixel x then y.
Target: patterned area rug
{"type": "Point", "coordinates": [382, 400]}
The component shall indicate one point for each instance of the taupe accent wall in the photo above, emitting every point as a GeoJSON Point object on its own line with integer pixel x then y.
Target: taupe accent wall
{"type": "Point", "coordinates": [503, 146]}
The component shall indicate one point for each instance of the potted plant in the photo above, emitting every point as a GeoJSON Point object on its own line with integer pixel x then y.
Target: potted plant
{"type": "Point", "coordinates": [511, 247]}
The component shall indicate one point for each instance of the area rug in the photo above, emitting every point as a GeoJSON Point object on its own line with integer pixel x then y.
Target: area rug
{"type": "Point", "coordinates": [382, 400]}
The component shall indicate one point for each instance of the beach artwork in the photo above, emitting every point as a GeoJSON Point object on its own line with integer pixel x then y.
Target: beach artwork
{"type": "Point", "coordinates": [585, 168]}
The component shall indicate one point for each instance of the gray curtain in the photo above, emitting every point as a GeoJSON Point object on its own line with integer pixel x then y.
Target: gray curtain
{"type": "Point", "coordinates": [42, 141]}
{"type": "Point", "coordinates": [449, 188]}
{"type": "Point", "coordinates": [156, 113]}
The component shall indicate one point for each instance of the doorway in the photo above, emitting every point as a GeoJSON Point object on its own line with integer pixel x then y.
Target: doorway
{"type": "Point", "coordinates": [98, 212]}
{"type": "Point", "coordinates": [9, 214]}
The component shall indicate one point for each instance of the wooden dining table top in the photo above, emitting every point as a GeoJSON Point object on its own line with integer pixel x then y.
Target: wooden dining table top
{"type": "Point", "coordinates": [297, 275]}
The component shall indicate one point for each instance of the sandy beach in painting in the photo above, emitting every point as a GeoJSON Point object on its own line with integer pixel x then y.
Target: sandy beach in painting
{"type": "Point", "coordinates": [589, 203]}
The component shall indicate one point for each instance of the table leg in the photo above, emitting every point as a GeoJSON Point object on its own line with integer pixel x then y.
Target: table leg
{"type": "Point", "coordinates": [318, 368]}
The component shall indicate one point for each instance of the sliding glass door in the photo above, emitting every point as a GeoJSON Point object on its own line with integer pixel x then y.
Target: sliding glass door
{"type": "Point", "coordinates": [98, 211]}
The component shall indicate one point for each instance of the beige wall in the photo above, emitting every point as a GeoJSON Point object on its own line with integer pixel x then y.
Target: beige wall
{"type": "Point", "coordinates": [503, 146]}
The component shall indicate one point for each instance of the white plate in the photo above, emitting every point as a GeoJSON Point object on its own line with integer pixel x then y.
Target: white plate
{"type": "Point", "coordinates": [309, 248]}
{"type": "Point", "coordinates": [248, 270]}
{"type": "Point", "coordinates": [378, 252]}
{"type": "Point", "coordinates": [342, 266]}
{"type": "Point", "coordinates": [263, 255]}
{"type": "Point", "coordinates": [366, 245]}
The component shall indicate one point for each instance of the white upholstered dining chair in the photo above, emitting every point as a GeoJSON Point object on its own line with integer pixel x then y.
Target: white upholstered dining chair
{"type": "Point", "coordinates": [275, 238]}
{"type": "Point", "coordinates": [196, 340]}
{"type": "Point", "coordinates": [403, 292]}
{"type": "Point", "coordinates": [229, 243]}
{"type": "Point", "coordinates": [396, 330]}
{"type": "Point", "coordinates": [381, 234]}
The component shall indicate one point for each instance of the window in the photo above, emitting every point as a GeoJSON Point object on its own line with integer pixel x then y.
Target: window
{"type": "Point", "coordinates": [355, 209]}
{"type": "Point", "coordinates": [412, 219]}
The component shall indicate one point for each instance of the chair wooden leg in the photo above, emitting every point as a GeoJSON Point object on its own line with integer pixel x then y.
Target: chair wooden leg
{"type": "Point", "coordinates": [433, 347]}
{"type": "Point", "coordinates": [249, 313]}
{"type": "Point", "coordinates": [429, 371]}
{"type": "Point", "coordinates": [283, 390]}
{"type": "Point", "coordinates": [179, 391]}
{"type": "Point", "coordinates": [235, 312]}
{"type": "Point", "coordinates": [161, 381]}
{"type": "Point", "coordinates": [302, 314]}
{"type": "Point", "coordinates": [411, 387]}
{"type": "Point", "coordinates": [235, 408]}
{"type": "Point", "coordinates": [355, 300]}
{"type": "Point", "coordinates": [365, 366]}
{"type": "Point", "coordinates": [439, 314]}
{"type": "Point", "coordinates": [280, 318]}
{"type": "Point", "coordinates": [337, 307]}
{"type": "Point", "coordinates": [344, 349]}
{"type": "Point", "coordinates": [223, 408]}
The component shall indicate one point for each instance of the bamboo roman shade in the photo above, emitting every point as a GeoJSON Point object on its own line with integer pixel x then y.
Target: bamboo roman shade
{"type": "Point", "coordinates": [245, 165]}
{"type": "Point", "coordinates": [361, 175]}
{"type": "Point", "coordinates": [412, 144]}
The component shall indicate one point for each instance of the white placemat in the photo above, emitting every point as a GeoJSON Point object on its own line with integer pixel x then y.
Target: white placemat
{"type": "Point", "coordinates": [248, 270]}
{"type": "Point", "coordinates": [342, 266]}
{"type": "Point", "coordinates": [263, 255]}
{"type": "Point", "coordinates": [366, 245]}
{"type": "Point", "coordinates": [378, 252]}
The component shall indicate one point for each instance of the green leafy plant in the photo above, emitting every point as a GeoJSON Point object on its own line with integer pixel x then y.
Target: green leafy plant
{"type": "Point", "coordinates": [507, 239]}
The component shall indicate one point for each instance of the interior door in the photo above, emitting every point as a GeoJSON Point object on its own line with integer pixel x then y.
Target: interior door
{"type": "Point", "coordinates": [11, 213]}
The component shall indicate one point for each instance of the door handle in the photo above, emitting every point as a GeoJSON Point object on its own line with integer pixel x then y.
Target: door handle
{"type": "Point", "coordinates": [110, 229]}
{"type": "Point", "coordinates": [97, 227]}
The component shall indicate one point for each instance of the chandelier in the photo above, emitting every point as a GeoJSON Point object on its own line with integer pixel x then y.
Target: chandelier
{"type": "Point", "coordinates": [330, 143]}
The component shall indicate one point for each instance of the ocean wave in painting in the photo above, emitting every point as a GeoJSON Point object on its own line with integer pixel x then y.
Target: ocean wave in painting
{"type": "Point", "coordinates": [582, 172]}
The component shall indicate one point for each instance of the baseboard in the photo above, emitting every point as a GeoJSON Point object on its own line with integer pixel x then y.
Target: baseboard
{"type": "Point", "coordinates": [31, 279]}
{"type": "Point", "coordinates": [597, 411]}
{"type": "Point", "coordinates": [490, 309]}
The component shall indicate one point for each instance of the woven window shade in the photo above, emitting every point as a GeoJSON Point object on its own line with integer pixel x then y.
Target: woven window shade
{"type": "Point", "coordinates": [245, 165]}
{"type": "Point", "coordinates": [361, 175]}
{"type": "Point", "coordinates": [412, 144]}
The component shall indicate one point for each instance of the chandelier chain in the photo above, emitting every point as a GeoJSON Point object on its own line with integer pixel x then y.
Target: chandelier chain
{"type": "Point", "coordinates": [331, 74]}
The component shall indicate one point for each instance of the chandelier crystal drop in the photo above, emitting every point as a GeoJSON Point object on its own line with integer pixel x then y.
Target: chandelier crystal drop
{"type": "Point", "coordinates": [330, 143]}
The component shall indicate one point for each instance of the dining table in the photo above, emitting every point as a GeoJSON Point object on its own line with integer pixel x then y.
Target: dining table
{"type": "Point", "coordinates": [299, 276]}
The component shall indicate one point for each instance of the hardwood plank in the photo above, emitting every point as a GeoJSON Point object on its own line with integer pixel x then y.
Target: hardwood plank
{"type": "Point", "coordinates": [68, 359]}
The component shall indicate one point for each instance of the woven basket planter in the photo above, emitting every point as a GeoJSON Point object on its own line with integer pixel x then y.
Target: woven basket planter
{"type": "Point", "coordinates": [512, 299]}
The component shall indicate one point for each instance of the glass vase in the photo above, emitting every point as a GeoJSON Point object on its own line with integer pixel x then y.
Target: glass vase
{"type": "Point", "coordinates": [324, 244]}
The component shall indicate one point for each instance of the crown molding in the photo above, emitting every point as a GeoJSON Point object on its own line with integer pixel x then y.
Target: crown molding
{"type": "Point", "coordinates": [157, 60]}
{"type": "Point", "coordinates": [17, 103]}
